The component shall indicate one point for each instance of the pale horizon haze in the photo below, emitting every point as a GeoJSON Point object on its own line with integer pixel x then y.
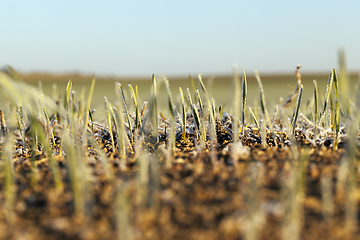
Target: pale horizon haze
{"type": "Point", "coordinates": [140, 38]}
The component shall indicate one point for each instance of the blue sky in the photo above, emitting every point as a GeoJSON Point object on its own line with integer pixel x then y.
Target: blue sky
{"type": "Point", "coordinates": [138, 38]}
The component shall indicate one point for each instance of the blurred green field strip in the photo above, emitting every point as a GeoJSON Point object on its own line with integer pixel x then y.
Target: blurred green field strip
{"type": "Point", "coordinates": [275, 86]}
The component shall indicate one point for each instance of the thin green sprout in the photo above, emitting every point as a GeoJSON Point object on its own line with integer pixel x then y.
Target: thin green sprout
{"type": "Point", "coordinates": [135, 99]}
{"type": "Point", "coordinates": [126, 112]}
{"type": "Point", "coordinates": [243, 105]}
{"type": "Point", "coordinates": [183, 112]}
{"type": "Point", "coordinates": [88, 104]}
{"type": "Point", "coordinates": [296, 110]}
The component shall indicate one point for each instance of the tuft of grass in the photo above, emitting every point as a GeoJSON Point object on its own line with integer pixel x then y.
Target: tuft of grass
{"type": "Point", "coordinates": [37, 129]}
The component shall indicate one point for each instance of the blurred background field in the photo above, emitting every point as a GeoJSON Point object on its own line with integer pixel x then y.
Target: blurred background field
{"type": "Point", "coordinates": [276, 86]}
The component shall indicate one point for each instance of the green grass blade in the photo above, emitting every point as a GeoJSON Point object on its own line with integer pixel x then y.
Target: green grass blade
{"type": "Point", "coordinates": [170, 99]}
{"type": "Point", "coordinates": [67, 95]}
{"type": "Point", "coordinates": [337, 111]}
{"type": "Point", "coordinates": [126, 112]}
{"type": "Point", "coordinates": [134, 97]}
{"type": "Point", "coordinates": [193, 87]}
{"type": "Point", "coordinates": [198, 125]}
{"type": "Point", "coordinates": [212, 125]}
{"type": "Point", "coordinates": [296, 110]}
{"type": "Point", "coordinates": [37, 129]}
{"type": "Point", "coordinates": [236, 102]}
{"type": "Point", "coordinates": [254, 118]}
{"type": "Point", "coordinates": [315, 108]}
{"type": "Point", "coordinates": [155, 108]}
{"type": "Point", "coordinates": [201, 106]}
{"type": "Point", "coordinates": [88, 104]}
{"type": "Point", "coordinates": [172, 114]}
{"type": "Point", "coordinates": [183, 112]}
{"type": "Point", "coordinates": [108, 109]}
{"type": "Point", "coordinates": [327, 96]}
{"type": "Point", "coordinates": [120, 123]}
{"type": "Point", "coordinates": [243, 105]}
{"type": "Point", "coordinates": [189, 98]}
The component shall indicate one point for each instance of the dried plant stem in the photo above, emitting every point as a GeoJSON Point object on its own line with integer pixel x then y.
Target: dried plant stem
{"type": "Point", "coordinates": [287, 103]}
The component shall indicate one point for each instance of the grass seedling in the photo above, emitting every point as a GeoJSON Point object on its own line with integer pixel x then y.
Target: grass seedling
{"type": "Point", "coordinates": [315, 108]}
{"type": "Point", "coordinates": [264, 112]}
{"type": "Point", "coordinates": [296, 111]}
{"type": "Point", "coordinates": [212, 124]}
{"type": "Point", "coordinates": [212, 127]}
{"type": "Point", "coordinates": [67, 96]}
{"type": "Point", "coordinates": [155, 109]}
{"type": "Point", "coordinates": [198, 124]}
{"type": "Point", "coordinates": [183, 112]}
{"type": "Point", "coordinates": [201, 106]}
{"type": "Point", "coordinates": [126, 113]}
{"type": "Point", "coordinates": [236, 102]}
{"type": "Point", "coordinates": [135, 98]}
{"type": "Point", "coordinates": [108, 110]}
{"type": "Point", "coordinates": [3, 128]}
{"type": "Point", "coordinates": [327, 96]}
{"type": "Point", "coordinates": [193, 87]}
{"type": "Point", "coordinates": [109, 172]}
{"type": "Point", "coordinates": [190, 102]}
{"type": "Point", "coordinates": [254, 118]}
{"type": "Point", "coordinates": [20, 115]}
{"type": "Point", "coordinates": [172, 114]}
{"type": "Point", "coordinates": [337, 111]}
{"type": "Point", "coordinates": [243, 102]}
{"type": "Point", "coordinates": [47, 121]}
{"type": "Point", "coordinates": [37, 130]}
{"type": "Point", "coordinates": [121, 134]}
{"type": "Point", "coordinates": [88, 104]}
